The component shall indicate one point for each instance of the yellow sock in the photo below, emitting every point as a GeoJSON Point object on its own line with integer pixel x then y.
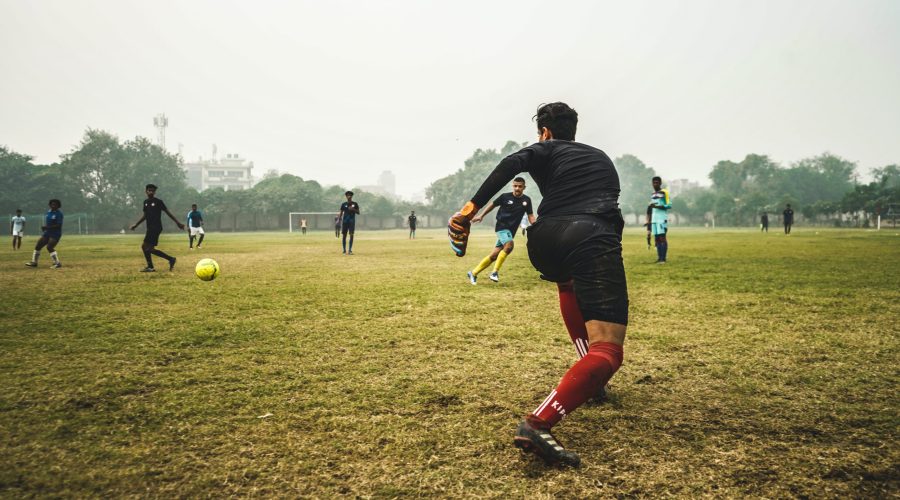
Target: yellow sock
{"type": "Point", "coordinates": [482, 265]}
{"type": "Point", "coordinates": [500, 258]}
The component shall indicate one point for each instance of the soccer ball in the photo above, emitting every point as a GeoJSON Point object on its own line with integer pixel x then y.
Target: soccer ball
{"type": "Point", "coordinates": [207, 269]}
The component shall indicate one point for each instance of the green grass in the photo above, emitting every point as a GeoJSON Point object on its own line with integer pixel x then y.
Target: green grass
{"type": "Point", "coordinates": [755, 365]}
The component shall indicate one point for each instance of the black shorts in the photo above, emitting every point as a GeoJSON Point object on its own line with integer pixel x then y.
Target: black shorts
{"type": "Point", "coordinates": [586, 249]}
{"type": "Point", "coordinates": [348, 226]}
{"type": "Point", "coordinates": [152, 236]}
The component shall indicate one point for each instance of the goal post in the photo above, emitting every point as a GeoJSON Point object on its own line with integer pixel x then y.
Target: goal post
{"type": "Point", "coordinates": [314, 220]}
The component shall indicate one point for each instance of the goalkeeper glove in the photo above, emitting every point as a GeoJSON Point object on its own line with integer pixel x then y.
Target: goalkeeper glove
{"type": "Point", "coordinates": [458, 228]}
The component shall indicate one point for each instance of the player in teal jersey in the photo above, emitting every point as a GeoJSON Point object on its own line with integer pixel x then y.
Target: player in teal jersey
{"type": "Point", "coordinates": [660, 204]}
{"type": "Point", "coordinates": [52, 228]}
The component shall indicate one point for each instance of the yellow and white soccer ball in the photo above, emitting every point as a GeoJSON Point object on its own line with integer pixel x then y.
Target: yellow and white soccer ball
{"type": "Point", "coordinates": [207, 269]}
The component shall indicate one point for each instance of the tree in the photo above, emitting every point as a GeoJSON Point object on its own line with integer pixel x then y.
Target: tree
{"type": "Point", "coordinates": [634, 183]}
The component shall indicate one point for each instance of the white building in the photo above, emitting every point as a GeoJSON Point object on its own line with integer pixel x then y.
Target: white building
{"type": "Point", "coordinates": [231, 173]}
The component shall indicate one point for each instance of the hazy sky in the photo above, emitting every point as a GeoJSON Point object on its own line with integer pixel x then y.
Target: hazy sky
{"type": "Point", "coordinates": [338, 91]}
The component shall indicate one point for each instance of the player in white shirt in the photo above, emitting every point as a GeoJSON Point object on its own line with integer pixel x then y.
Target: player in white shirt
{"type": "Point", "coordinates": [17, 226]}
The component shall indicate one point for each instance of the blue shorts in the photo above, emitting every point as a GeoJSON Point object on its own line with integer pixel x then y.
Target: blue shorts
{"type": "Point", "coordinates": [348, 226]}
{"type": "Point", "coordinates": [658, 228]}
{"type": "Point", "coordinates": [52, 235]}
{"type": "Point", "coordinates": [503, 237]}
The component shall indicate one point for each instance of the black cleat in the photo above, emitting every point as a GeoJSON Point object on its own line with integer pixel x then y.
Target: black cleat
{"type": "Point", "coordinates": [544, 445]}
{"type": "Point", "coordinates": [148, 269]}
{"type": "Point", "coordinates": [599, 397]}
{"type": "Point", "coordinates": [31, 264]}
{"type": "Point", "coordinates": [172, 263]}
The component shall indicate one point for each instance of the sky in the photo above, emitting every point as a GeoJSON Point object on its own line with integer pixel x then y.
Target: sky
{"type": "Point", "coordinates": [340, 91]}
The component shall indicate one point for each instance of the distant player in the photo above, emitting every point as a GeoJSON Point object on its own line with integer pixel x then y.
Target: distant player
{"type": "Point", "coordinates": [348, 213]}
{"type": "Point", "coordinates": [513, 207]}
{"type": "Point", "coordinates": [337, 226]}
{"type": "Point", "coordinates": [576, 243]}
{"type": "Point", "coordinates": [17, 227]}
{"type": "Point", "coordinates": [153, 209]}
{"type": "Point", "coordinates": [788, 217]}
{"type": "Point", "coordinates": [195, 226]}
{"type": "Point", "coordinates": [303, 226]}
{"type": "Point", "coordinates": [764, 222]}
{"type": "Point", "coordinates": [411, 220]}
{"type": "Point", "coordinates": [52, 233]}
{"type": "Point", "coordinates": [660, 204]}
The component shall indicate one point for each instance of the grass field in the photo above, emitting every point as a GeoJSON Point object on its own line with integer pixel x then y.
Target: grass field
{"type": "Point", "coordinates": [756, 365]}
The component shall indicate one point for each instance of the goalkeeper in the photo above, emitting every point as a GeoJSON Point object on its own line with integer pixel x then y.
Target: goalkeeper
{"type": "Point", "coordinates": [575, 243]}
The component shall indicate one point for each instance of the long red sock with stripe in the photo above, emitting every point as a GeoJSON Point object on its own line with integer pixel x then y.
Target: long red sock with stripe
{"type": "Point", "coordinates": [571, 314]}
{"type": "Point", "coordinates": [578, 384]}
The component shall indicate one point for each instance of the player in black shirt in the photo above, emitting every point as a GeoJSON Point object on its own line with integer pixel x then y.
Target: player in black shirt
{"type": "Point", "coordinates": [576, 242]}
{"type": "Point", "coordinates": [411, 220]}
{"type": "Point", "coordinates": [788, 218]}
{"type": "Point", "coordinates": [512, 207]}
{"type": "Point", "coordinates": [153, 209]}
{"type": "Point", "coordinates": [348, 213]}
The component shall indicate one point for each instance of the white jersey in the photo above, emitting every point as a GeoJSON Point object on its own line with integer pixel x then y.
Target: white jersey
{"type": "Point", "coordinates": [18, 223]}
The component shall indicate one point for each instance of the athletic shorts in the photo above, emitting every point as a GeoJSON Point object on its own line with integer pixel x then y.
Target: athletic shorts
{"type": "Point", "coordinates": [348, 226]}
{"type": "Point", "coordinates": [197, 230]}
{"type": "Point", "coordinates": [658, 229]}
{"type": "Point", "coordinates": [504, 237]}
{"type": "Point", "coordinates": [586, 249]}
{"type": "Point", "coordinates": [52, 235]}
{"type": "Point", "coordinates": [20, 232]}
{"type": "Point", "coordinates": [152, 237]}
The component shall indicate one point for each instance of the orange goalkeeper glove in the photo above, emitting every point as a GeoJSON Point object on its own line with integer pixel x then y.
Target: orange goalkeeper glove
{"type": "Point", "coordinates": [458, 228]}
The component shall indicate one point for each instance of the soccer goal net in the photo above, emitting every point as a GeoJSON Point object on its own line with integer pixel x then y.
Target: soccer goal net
{"type": "Point", "coordinates": [311, 221]}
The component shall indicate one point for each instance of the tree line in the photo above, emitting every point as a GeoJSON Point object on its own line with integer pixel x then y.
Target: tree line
{"type": "Point", "coordinates": [104, 177]}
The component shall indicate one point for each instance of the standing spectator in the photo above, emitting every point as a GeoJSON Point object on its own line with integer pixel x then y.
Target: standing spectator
{"type": "Point", "coordinates": [764, 222]}
{"type": "Point", "coordinates": [411, 220]}
{"type": "Point", "coordinates": [788, 219]}
{"type": "Point", "coordinates": [17, 226]}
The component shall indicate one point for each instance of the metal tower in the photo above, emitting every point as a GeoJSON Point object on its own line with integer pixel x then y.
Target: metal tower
{"type": "Point", "coordinates": [161, 122]}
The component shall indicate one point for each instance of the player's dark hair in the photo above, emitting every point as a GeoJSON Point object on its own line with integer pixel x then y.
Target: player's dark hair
{"type": "Point", "coordinates": [54, 200]}
{"type": "Point", "coordinates": [348, 193]}
{"type": "Point", "coordinates": [656, 178]}
{"type": "Point", "coordinates": [519, 179]}
{"type": "Point", "coordinates": [559, 118]}
{"type": "Point", "coordinates": [18, 210]}
{"type": "Point", "coordinates": [150, 186]}
{"type": "Point", "coordinates": [193, 204]}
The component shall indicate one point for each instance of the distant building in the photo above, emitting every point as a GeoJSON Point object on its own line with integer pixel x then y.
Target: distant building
{"type": "Point", "coordinates": [232, 173]}
{"type": "Point", "coordinates": [388, 182]}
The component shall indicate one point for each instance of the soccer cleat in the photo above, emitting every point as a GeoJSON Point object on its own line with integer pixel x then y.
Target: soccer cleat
{"type": "Point", "coordinates": [472, 278]}
{"type": "Point", "coordinates": [57, 265]}
{"type": "Point", "coordinates": [31, 264]}
{"type": "Point", "coordinates": [543, 444]}
{"type": "Point", "coordinates": [495, 277]}
{"type": "Point", "coordinates": [172, 263]}
{"type": "Point", "coordinates": [199, 247]}
{"type": "Point", "coordinates": [599, 397]}
{"type": "Point", "coordinates": [350, 252]}
{"type": "Point", "coordinates": [148, 270]}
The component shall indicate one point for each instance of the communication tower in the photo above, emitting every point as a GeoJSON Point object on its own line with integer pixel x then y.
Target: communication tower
{"type": "Point", "coordinates": [161, 122]}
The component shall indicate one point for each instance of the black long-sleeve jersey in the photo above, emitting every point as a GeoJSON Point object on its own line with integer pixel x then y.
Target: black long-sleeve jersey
{"type": "Point", "coordinates": [573, 178]}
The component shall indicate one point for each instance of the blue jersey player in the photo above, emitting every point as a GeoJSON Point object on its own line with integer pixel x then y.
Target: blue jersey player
{"type": "Point", "coordinates": [195, 226]}
{"type": "Point", "coordinates": [52, 233]}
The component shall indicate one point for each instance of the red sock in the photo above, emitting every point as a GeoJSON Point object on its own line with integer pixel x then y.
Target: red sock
{"type": "Point", "coordinates": [571, 314]}
{"type": "Point", "coordinates": [579, 384]}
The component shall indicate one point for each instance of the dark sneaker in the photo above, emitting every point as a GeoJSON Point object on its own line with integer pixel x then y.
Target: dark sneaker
{"type": "Point", "coordinates": [148, 270]}
{"type": "Point", "coordinates": [544, 445]}
{"type": "Point", "coordinates": [172, 263]}
{"type": "Point", "coordinates": [56, 266]}
{"type": "Point", "coordinates": [472, 278]}
{"type": "Point", "coordinates": [31, 264]}
{"type": "Point", "coordinates": [495, 277]}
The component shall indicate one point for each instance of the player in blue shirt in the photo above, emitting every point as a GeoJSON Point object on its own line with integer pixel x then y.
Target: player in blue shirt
{"type": "Point", "coordinates": [52, 229]}
{"type": "Point", "coordinates": [348, 213]}
{"type": "Point", "coordinates": [660, 204]}
{"type": "Point", "coordinates": [195, 226]}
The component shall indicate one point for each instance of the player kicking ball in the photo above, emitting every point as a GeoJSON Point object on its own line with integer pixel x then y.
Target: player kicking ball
{"type": "Point", "coordinates": [52, 229]}
{"type": "Point", "coordinates": [575, 243]}
{"type": "Point", "coordinates": [513, 206]}
{"type": "Point", "coordinates": [153, 209]}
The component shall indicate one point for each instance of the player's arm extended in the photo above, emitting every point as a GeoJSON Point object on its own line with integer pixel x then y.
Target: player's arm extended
{"type": "Point", "coordinates": [138, 223]}
{"type": "Point", "coordinates": [479, 218]}
{"type": "Point", "coordinates": [176, 221]}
